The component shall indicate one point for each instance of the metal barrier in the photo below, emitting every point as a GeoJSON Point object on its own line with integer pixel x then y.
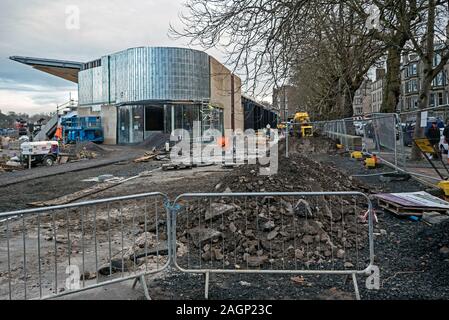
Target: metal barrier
{"type": "Point", "coordinates": [47, 250]}
{"type": "Point", "coordinates": [379, 134]}
{"type": "Point", "coordinates": [82, 246]}
{"type": "Point", "coordinates": [274, 233]}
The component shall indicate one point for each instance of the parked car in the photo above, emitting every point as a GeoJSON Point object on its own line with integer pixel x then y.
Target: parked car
{"type": "Point", "coordinates": [359, 129]}
{"type": "Point", "coordinates": [409, 130]}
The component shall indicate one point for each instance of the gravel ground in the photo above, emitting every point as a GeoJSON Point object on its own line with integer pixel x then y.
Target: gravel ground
{"type": "Point", "coordinates": [109, 156]}
{"type": "Point", "coordinates": [48, 188]}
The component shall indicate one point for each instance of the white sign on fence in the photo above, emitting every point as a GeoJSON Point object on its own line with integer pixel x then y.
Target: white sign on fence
{"type": "Point", "coordinates": [424, 117]}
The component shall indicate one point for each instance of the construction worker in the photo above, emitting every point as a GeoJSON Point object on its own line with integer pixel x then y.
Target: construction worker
{"type": "Point", "coordinates": [58, 133]}
{"type": "Point", "coordinates": [434, 136]}
{"type": "Point", "coordinates": [268, 131]}
{"type": "Point", "coordinates": [446, 137]}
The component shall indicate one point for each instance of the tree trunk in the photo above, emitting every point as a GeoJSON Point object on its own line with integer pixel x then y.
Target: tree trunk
{"type": "Point", "coordinates": [424, 94]}
{"type": "Point", "coordinates": [428, 74]}
{"type": "Point", "coordinates": [392, 90]}
{"type": "Point", "coordinates": [348, 99]}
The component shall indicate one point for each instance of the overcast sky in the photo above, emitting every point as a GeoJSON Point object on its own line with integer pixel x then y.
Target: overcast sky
{"type": "Point", "coordinates": [37, 28]}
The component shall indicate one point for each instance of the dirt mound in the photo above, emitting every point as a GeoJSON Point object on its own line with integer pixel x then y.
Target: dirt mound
{"type": "Point", "coordinates": [90, 146]}
{"type": "Point", "coordinates": [296, 174]}
{"type": "Point", "coordinates": [157, 141]}
{"type": "Point", "coordinates": [316, 145]}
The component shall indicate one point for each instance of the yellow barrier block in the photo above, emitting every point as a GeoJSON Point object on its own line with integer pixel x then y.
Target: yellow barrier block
{"type": "Point", "coordinates": [357, 155]}
{"type": "Point", "coordinates": [370, 163]}
{"type": "Point", "coordinates": [444, 185]}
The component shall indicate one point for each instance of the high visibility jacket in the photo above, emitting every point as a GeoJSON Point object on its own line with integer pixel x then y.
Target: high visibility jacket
{"type": "Point", "coordinates": [58, 134]}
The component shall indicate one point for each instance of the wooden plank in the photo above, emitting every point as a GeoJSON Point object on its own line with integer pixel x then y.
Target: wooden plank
{"type": "Point", "coordinates": [407, 211]}
{"type": "Point", "coordinates": [75, 196]}
{"type": "Point", "coordinates": [412, 207]}
{"type": "Point", "coordinates": [145, 158]}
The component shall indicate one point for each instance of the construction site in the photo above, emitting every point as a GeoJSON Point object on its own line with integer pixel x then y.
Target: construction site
{"type": "Point", "coordinates": [302, 232]}
{"type": "Point", "coordinates": [166, 180]}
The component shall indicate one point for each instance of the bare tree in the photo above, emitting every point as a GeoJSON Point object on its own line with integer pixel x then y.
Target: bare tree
{"type": "Point", "coordinates": [428, 39]}
{"type": "Point", "coordinates": [392, 18]}
{"type": "Point", "coordinates": [268, 39]}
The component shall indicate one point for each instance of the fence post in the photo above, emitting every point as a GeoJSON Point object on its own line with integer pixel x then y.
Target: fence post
{"type": "Point", "coordinates": [286, 139]}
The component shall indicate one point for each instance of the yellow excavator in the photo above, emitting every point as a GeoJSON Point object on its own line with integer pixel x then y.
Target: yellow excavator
{"type": "Point", "coordinates": [306, 128]}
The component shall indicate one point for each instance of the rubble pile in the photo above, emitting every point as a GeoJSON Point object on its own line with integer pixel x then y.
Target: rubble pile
{"type": "Point", "coordinates": [86, 154]}
{"type": "Point", "coordinates": [251, 232]}
{"type": "Point", "coordinates": [149, 252]}
{"type": "Point", "coordinates": [318, 145]}
{"type": "Point", "coordinates": [88, 150]}
{"type": "Point", "coordinates": [296, 174]}
{"type": "Point", "coordinates": [82, 151]}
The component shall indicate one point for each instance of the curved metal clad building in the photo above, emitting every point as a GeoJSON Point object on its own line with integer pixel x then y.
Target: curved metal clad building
{"type": "Point", "coordinates": [147, 91]}
{"type": "Point", "coordinates": [144, 74]}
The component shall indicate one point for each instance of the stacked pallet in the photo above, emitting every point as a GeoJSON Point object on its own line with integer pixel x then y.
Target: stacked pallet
{"type": "Point", "coordinates": [412, 204]}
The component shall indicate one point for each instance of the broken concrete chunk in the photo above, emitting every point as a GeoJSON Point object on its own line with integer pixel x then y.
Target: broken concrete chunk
{"type": "Point", "coordinates": [256, 261]}
{"type": "Point", "coordinates": [307, 239]}
{"type": "Point", "coordinates": [200, 235]}
{"type": "Point", "coordinates": [272, 235]}
{"type": "Point", "coordinates": [218, 255]}
{"type": "Point", "coordinates": [302, 208]}
{"type": "Point", "coordinates": [268, 226]}
{"type": "Point", "coordinates": [161, 249]}
{"type": "Point", "coordinates": [434, 217]}
{"type": "Point", "coordinates": [340, 254]}
{"type": "Point", "coordinates": [299, 254]}
{"type": "Point", "coordinates": [249, 233]}
{"type": "Point", "coordinates": [288, 208]}
{"type": "Point", "coordinates": [217, 210]}
{"type": "Point", "coordinates": [444, 251]}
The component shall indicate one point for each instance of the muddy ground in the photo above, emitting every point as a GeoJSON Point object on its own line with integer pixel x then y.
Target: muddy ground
{"type": "Point", "coordinates": [408, 253]}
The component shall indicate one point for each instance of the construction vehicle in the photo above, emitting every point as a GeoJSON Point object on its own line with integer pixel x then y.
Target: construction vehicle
{"type": "Point", "coordinates": [303, 120]}
{"type": "Point", "coordinates": [81, 129]}
{"type": "Point", "coordinates": [22, 127]}
{"type": "Point", "coordinates": [41, 152]}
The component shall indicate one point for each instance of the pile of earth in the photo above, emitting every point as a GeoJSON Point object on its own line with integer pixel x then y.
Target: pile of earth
{"type": "Point", "coordinates": [298, 173]}
{"type": "Point", "coordinates": [254, 231]}
{"type": "Point", "coordinates": [156, 141]}
{"type": "Point", "coordinates": [83, 150]}
{"type": "Point", "coordinates": [319, 144]}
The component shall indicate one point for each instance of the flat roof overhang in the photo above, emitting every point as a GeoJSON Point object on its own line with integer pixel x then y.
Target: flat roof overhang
{"type": "Point", "coordinates": [67, 70]}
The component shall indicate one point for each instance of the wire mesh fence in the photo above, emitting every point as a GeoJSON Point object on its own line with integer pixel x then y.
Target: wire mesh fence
{"type": "Point", "coordinates": [50, 252]}
{"type": "Point", "coordinates": [377, 134]}
{"type": "Point", "coordinates": [56, 251]}
{"type": "Point", "coordinates": [278, 233]}
{"type": "Point", "coordinates": [391, 138]}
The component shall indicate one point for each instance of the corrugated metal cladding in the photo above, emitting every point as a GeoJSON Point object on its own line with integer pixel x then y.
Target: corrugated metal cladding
{"type": "Point", "coordinates": [257, 116]}
{"type": "Point", "coordinates": [140, 74]}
